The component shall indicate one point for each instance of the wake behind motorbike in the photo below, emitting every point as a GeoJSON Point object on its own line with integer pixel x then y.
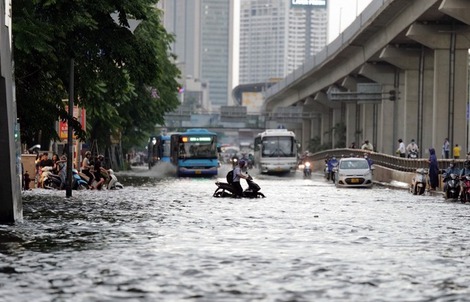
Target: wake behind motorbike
{"type": "Point", "coordinates": [225, 189]}
{"type": "Point", "coordinates": [418, 182]}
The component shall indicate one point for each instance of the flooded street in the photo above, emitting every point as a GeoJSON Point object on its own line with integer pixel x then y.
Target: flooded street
{"type": "Point", "coordinates": [167, 239]}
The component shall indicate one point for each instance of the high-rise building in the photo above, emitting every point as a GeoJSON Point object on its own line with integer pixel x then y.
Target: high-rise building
{"type": "Point", "coordinates": [277, 36]}
{"type": "Point", "coordinates": [203, 45]}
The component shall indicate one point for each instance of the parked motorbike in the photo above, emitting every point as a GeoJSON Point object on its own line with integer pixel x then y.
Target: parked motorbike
{"type": "Point", "coordinates": [452, 186]}
{"type": "Point", "coordinates": [51, 181]}
{"type": "Point", "coordinates": [418, 182]}
{"type": "Point", "coordinates": [225, 189]}
{"type": "Point", "coordinates": [78, 183]}
{"type": "Point", "coordinates": [112, 182]}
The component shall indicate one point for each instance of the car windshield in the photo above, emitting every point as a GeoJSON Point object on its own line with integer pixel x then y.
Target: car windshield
{"type": "Point", "coordinates": [354, 164]}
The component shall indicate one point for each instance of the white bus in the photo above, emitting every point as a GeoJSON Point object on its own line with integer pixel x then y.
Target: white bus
{"type": "Point", "coordinates": [276, 151]}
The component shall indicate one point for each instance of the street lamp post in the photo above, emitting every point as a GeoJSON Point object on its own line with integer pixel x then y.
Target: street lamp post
{"type": "Point", "coordinates": [68, 186]}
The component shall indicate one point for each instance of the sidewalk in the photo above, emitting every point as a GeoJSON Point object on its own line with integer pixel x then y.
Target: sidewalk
{"type": "Point", "coordinates": [404, 186]}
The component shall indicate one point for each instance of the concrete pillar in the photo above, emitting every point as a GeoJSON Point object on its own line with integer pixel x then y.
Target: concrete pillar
{"type": "Point", "coordinates": [315, 126]}
{"type": "Point", "coordinates": [325, 108]}
{"type": "Point", "coordinates": [383, 131]}
{"type": "Point", "coordinates": [352, 119]}
{"type": "Point", "coordinates": [337, 120]}
{"type": "Point", "coordinates": [11, 208]}
{"type": "Point", "coordinates": [450, 79]}
{"type": "Point", "coordinates": [325, 127]}
{"type": "Point", "coordinates": [351, 124]}
{"type": "Point", "coordinates": [417, 65]}
{"type": "Point", "coordinates": [306, 133]}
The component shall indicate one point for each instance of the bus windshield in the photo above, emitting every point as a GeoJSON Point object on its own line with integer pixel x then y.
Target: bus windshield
{"type": "Point", "coordinates": [197, 147]}
{"type": "Point", "coordinates": [278, 146]}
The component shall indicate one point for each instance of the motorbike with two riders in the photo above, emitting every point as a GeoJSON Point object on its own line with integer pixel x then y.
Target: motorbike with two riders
{"type": "Point", "coordinates": [226, 189]}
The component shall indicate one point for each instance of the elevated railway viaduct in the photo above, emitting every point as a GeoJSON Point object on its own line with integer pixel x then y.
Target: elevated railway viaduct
{"type": "Point", "coordinates": [400, 70]}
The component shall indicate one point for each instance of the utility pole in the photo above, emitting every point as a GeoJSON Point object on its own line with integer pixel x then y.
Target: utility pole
{"type": "Point", "coordinates": [68, 185]}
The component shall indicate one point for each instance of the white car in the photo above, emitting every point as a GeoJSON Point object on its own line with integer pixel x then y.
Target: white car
{"type": "Point", "coordinates": [353, 172]}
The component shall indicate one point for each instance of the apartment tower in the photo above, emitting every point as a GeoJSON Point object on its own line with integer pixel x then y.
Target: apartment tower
{"type": "Point", "coordinates": [204, 47]}
{"type": "Point", "coordinates": [277, 36]}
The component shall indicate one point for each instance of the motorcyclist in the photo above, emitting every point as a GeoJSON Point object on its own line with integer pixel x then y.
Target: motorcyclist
{"type": "Point", "coordinates": [452, 169]}
{"type": "Point", "coordinates": [333, 162]}
{"type": "Point", "coordinates": [251, 160]}
{"type": "Point", "coordinates": [237, 174]}
{"type": "Point", "coordinates": [412, 148]}
{"type": "Point", "coordinates": [464, 172]}
{"type": "Point", "coordinates": [369, 160]}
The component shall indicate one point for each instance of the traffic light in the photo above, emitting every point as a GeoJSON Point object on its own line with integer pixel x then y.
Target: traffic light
{"type": "Point", "coordinates": [392, 95]}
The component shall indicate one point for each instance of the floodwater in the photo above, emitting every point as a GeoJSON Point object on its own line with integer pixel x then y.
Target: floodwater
{"type": "Point", "coordinates": [167, 239]}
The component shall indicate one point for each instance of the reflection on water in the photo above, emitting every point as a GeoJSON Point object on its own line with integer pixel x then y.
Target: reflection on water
{"type": "Point", "coordinates": [167, 239]}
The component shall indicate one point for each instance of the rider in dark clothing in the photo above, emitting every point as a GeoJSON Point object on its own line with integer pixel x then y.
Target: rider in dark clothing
{"type": "Point", "coordinates": [99, 177]}
{"type": "Point", "coordinates": [452, 169]}
{"type": "Point", "coordinates": [464, 172]}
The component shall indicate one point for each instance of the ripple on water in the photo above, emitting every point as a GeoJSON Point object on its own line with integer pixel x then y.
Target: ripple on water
{"type": "Point", "coordinates": [167, 239]}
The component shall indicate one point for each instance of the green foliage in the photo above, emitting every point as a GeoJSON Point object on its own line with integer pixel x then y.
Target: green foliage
{"type": "Point", "coordinates": [340, 135]}
{"type": "Point", "coordinates": [314, 145]}
{"type": "Point", "coordinates": [339, 130]}
{"type": "Point", "coordinates": [115, 69]}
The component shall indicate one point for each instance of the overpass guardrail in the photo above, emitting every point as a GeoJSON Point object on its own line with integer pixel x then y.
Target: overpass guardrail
{"type": "Point", "coordinates": [385, 160]}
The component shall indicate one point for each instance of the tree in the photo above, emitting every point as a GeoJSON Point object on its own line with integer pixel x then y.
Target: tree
{"type": "Point", "coordinates": [126, 81]}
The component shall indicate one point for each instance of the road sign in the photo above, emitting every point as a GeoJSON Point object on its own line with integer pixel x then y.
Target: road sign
{"type": "Point", "coordinates": [78, 113]}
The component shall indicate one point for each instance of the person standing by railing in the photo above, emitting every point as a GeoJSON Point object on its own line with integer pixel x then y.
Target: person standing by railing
{"type": "Point", "coordinates": [367, 146]}
{"type": "Point", "coordinates": [456, 151]}
{"type": "Point", "coordinates": [446, 149]}
{"type": "Point", "coordinates": [433, 169]}
{"type": "Point", "coordinates": [401, 148]}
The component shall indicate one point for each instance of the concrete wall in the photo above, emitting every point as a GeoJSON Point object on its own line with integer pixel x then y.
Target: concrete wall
{"type": "Point", "coordinates": [11, 208]}
{"type": "Point", "coordinates": [383, 175]}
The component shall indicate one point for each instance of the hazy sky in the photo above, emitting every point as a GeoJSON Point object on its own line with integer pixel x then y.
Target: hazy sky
{"type": "Point", "coordinates": [342, 13]}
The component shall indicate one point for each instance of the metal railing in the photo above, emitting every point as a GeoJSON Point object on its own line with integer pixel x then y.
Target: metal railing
{"type": "Point", "coordinates": [386, 160]}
